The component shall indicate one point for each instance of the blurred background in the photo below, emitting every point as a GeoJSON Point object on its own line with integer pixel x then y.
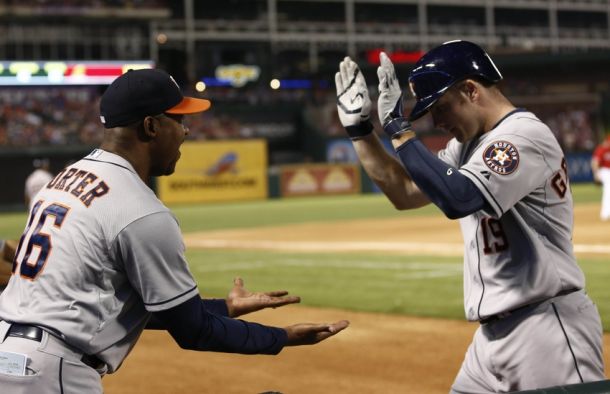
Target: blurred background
{"type": "Point", "coordinates": [268, 66]}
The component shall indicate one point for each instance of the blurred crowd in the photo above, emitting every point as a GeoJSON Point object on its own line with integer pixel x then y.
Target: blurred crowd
{"type": "Point", "coordinates": [87, 4]}
{"type": "Point", "coordinates": [49, 116]}
{"type": "Point", "coordinates": [58, 116]}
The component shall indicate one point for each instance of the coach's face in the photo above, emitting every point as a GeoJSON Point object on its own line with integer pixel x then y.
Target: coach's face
{"type": "Point", "coordinates": [165, 148]}
{"type": "Point", "coordinates": [456, 111]}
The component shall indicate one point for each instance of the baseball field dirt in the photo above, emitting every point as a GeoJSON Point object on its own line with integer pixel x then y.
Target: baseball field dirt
{"type": "Point", "coordinates": [377, 354]}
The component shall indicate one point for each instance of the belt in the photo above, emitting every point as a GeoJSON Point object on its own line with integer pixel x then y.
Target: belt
{"type": "Point", "coordinates": [35, 334]}
{"type": "Point", "coordinates": [502, 315]}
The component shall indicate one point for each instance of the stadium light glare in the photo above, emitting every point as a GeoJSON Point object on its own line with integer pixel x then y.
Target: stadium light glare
{"type": "Point", "coordinates": [161, 38]}
{"type": "Point", "coordinates": [200, 86]}
{"type": "Point", "coordinates": [275, 84]}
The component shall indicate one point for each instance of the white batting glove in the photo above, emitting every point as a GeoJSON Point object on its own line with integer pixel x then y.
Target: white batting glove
{"type": "Point", "coordinates": [389, 104]}
{"type": "Point", "coordinates": [353, 101]}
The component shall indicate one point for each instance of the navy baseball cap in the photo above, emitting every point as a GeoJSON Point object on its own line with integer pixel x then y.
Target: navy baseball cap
{"type": "Point", "coordinates": [145, 92]}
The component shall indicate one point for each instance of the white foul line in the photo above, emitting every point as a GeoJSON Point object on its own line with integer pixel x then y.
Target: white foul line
{"type": "Point", "coordinates": [441, 249]}
{"type": "Point", "coordinates": [310, 246]}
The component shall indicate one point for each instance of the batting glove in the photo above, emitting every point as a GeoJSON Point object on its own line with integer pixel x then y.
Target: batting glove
{"type": "Point", "coordinates": [389, 104]}
{"type": "Point", "coordinates": [353, 101]}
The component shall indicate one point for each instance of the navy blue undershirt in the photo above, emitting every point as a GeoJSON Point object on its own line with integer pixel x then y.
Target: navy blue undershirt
{"type": "Point", "coordinates": [444, 185]}
{"type": "Point", "coordinates": [198, 324]}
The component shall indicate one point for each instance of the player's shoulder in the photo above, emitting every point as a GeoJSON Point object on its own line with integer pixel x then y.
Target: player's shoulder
{"type": "Point", "coordinates": [122, 193]}
{"type": "Point", "coordinates": [523, 126]}
{"type": "Point", "coordinates": [523, 121]}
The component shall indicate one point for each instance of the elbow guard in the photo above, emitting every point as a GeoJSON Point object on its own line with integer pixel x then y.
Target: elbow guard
{"type": "Point", "coordinates": [444, 185]}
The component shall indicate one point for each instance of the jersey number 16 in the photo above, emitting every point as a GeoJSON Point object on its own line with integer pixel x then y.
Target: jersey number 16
{"type": "Point", "coordinates": [37, 239]}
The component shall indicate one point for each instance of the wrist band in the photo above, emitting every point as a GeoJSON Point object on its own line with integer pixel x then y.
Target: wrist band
{"type": "Point", "coordinates": [360, 130]}
{"type": "Point", "coordinates": [396, 127]}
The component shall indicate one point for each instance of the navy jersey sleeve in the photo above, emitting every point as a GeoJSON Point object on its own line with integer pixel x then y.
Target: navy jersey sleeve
{"type": "Point", "coordinates": [194, 327]}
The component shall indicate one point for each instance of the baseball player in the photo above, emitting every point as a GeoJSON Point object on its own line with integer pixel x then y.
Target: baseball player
{"type": "Point", "coordinates": [101, 257]}
{"type": "Point", "coordinates": [37, 180]}
{"type": "Point", "coordinates": [600, 164]}
{"type": "Point", "coordinates": [503, 175]}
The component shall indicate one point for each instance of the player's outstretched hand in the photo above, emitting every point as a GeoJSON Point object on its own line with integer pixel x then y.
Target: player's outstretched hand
{"type": "Point", "coordinates": [241, 301]}
{"type": "Point", "coordinates": [389, 103]}
{"type": "Point", "coordinates": [353, 101]}
{"type": "Point", "coordinates": [312, 333]}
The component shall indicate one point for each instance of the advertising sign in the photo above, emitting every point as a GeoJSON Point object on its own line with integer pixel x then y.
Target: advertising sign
{"type": "Point", "coordinates": [217, 171]}
{"type": "Point", "coordinates": [319, 179]}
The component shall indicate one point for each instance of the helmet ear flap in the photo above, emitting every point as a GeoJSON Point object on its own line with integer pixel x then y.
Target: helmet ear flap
{"type": "Point", "coordinates": [445, 65]}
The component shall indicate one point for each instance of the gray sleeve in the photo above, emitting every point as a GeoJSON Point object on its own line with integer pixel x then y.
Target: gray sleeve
{"type": "Point", "coordinates": [506, 170]}
{"type": "Point", "coordinates": [450, 154]}
{"type": "Point", "coordinates": [151, 252]}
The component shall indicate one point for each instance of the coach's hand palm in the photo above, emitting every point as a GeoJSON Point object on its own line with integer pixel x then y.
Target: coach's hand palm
{"type": "Point", "coordinates": [241, 301]}
{"type": "Point", "coordinates": [312, 333]}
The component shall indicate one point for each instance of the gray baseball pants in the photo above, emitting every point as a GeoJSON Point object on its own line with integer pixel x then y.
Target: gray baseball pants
{"type": "Point", "coordinates": [52, 367]}
{"type": "Point", "coordinates": [556, 342]}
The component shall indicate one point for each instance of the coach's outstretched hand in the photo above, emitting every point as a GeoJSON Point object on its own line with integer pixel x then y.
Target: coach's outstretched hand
{"type": "Point", "coordinates": [312, 333]}
{"type": "Point", "coordinates": [7, 254]}
{"type": "Point", "coordinates": [240, 301]}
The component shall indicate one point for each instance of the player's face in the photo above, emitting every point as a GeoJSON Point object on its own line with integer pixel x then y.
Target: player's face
{"type": "Point", "coordinates": [166, 150]}
{"type": "Point", "coordinates": [456, 114]}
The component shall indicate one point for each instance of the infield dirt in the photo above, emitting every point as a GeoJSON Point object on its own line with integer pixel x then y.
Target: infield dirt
{"type": "Point", "coordinates": [377, 354]}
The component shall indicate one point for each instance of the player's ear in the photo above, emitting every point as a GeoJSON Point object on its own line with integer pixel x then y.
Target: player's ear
{"type": "Point", "coordinates": [469, 88]}
{"type": "Point", "coordinates": [148, 129]}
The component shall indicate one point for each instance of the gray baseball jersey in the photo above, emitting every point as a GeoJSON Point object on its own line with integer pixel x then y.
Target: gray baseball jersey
{"type": "Point", "coordinates": [101, 252]}
{"type": "Point", "coordinates": [521, 251]}
{"type": "Point", "coordinates": [520, 273]}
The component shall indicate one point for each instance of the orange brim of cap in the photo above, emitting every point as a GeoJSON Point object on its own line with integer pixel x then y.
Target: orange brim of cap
{"type": "Point", "coordinates": [190, 105]}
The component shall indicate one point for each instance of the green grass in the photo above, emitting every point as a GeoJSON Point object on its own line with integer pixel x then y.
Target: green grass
{"type": "Point", "coordinates": [287, 211]}
{"type": "Point", "coordinates": [410, 285]}
{"type": "Point", "coordinates": [263, 213]}
{"type": "Point", "coordinates": [597, 272]}
{"type": "Point", "coordinates": [424, 286]}
{"type": "Point", "coordinates": [586, 193]}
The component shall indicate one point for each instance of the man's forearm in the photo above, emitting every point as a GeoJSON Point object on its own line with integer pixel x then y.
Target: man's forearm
{"type": "Point", "coordinates": [388, 173]}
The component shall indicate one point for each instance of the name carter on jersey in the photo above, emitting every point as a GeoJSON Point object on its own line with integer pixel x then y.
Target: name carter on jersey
{"type": "Point", "coordinates": [85, 190]}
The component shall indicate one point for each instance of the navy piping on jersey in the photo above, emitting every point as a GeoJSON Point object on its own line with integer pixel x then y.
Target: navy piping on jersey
{"type": "Point", "coordinates": [565, 334]}
{"type": "Point", "coordinates": [479, 269]}
{"type": "Point", "coordinates": [61, 382]}
{"type": "Point", "coordinates": [109, 162]}
{"type": "Point", "coordinates": [171, 299]}
{"type": "Point", "coordinates": [514, 111]}
{"type": "Point", "coordinates": [486, 189]}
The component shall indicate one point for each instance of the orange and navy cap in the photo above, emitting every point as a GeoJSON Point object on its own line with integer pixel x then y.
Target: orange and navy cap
{"type": "Point", "coordinates": [146, 92]}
